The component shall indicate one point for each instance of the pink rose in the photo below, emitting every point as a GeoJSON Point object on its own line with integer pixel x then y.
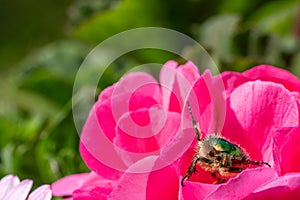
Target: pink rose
{"type": "Point", "coordinates": [257, 109]}
{"type": "Point", "coordinates": [133, 121]}
{"type": "Point", "coordinates": [262, 116]}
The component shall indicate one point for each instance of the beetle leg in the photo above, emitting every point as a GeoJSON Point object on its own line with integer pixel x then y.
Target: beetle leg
{"type": "Point", "coordinates": [192, 168]}
{"type": "Point", "coordinates": [203, 159]}
{"type": "Point", "coordinates": [235, 169]}
{"type": "Point", "coordinates": [219, 179]}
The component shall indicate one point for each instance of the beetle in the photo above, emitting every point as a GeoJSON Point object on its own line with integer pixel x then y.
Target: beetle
{"type": "Point", "coordinates": [217, 155]}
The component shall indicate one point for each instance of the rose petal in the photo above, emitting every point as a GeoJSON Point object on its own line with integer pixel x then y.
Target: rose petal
{"type": "Point", "coordinates": [218, 103]}
{"type": "Point", "coordinates": [135, 91]}
{"type": "Point", "coordinates": [261, 108]}
{"type": "Point", "coordinates": [232, 80]}
{"type": "Point", "coordinates": [140, 82]}
{"type": "Point", "coordinates": [274, 74]}
{"type": "Point", "coordinates": [106, 93]}
{"type": "Point", "coordinates": [195, 190]}
{"type": "Point", "coordinates": [41, 193]}
{"type": "Point", "coordinates": [132, 149]}
{"type": "Point", "coordinates": [132, 92]}
{"type": "Point", "coordinates": [99, 131]}
{"type": "Point", "coordinates": [176, 82]}
{"type": "Point", "coordinates": [232, 130]}
{"type": "Point", "coordinates": [95, 193]}
{"type": "Point", "coordinates": [286, 147]}
{"type": "Point", "coordinates": [105, 119]}
{"type": "Point", "coordinates": [68, 184]}
{"type": "Point", "coordinates": [159, 184]}
{"type": "Point", "coordinates": [94, 146]}
{"type": "Point", "coordinates": [242, 185]}
{"type": "Point", "coordinates": [132, 128]}
{"type": "Point", "coordinates": [141, 99]}
{"type": "Point", "coordinates": [92, 193]}
{"type": "Point", "coordinates": [128, 84]}
{"type": "Point", "coordinates": [190, 71]}
{"type": "Point", "coordinates": [207, 101]}
{"type": "Point", "coordinates": [176, 149]}
{"type": "Point", "coordinates": [284, 187]}
{"type": "Point", "coordinates": [136, 142]}
{"type": "Point", "coordinates": [79, 185]}
{"type": "Point", "coordinates": [297, 97]}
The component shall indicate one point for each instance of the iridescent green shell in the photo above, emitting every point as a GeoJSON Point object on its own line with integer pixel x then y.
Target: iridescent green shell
{"type": "Point", "coordinates": [221, 144]}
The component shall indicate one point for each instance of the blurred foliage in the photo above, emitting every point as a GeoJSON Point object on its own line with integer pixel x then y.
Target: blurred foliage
{"type": "Point", "coordinates": [43, 45]}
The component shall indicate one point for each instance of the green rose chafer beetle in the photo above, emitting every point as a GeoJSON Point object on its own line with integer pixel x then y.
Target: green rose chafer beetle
{"type": "Point", "coordinates": [221, 158]}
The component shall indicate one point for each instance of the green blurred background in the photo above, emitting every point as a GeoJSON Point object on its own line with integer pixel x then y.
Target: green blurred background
{"type": "Point", "coordinates": [44, 42]}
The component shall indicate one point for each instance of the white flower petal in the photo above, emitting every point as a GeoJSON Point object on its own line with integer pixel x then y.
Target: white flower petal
{"type": "Point", "coordinates": [19, 192]}
{"type": "Point", "coordinates": [41, 193]}
{"type": "Point", "coordinates": [7, 184]}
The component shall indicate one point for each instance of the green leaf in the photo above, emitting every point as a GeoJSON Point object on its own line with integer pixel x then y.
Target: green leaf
{"type": "Point", "coordinates": [295, 68]}
{"type": "Point", "coordinates": [275, 17]}
{"type": "Point", "coordinates": [241, 6]}
{"type": "Point", "coordinates": [126, 15]}
{"type": "Point", "coordinates": [61, 58]}
{"type": "Point", "coordinates": [7, 159]}
{"type": "Point", "coordinates": [217, 34]}
{"type": "Point", "coordinates": [44, 83]}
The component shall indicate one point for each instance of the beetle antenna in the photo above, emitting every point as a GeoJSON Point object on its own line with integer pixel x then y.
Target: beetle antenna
{"type": "Point", "coordinates": [195, 125]}
{"type": "Point", "coordinates": [256, 162]}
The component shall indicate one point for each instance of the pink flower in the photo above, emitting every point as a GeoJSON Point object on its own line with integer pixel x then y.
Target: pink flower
{"type": "Point", "coordinates": [11, 189]}
{"type": "Point", "coordinates": [136, 156]}
{"type": "Point", "coordinates": [131, 121]}
{"type": "Point", "coordinates": [84, 186]}
{"type": "Point", "coordinates": [262, 116]}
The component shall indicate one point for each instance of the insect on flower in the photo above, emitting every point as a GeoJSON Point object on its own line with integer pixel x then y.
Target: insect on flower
{"type": "Point", "coordinates": [221, 158]}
